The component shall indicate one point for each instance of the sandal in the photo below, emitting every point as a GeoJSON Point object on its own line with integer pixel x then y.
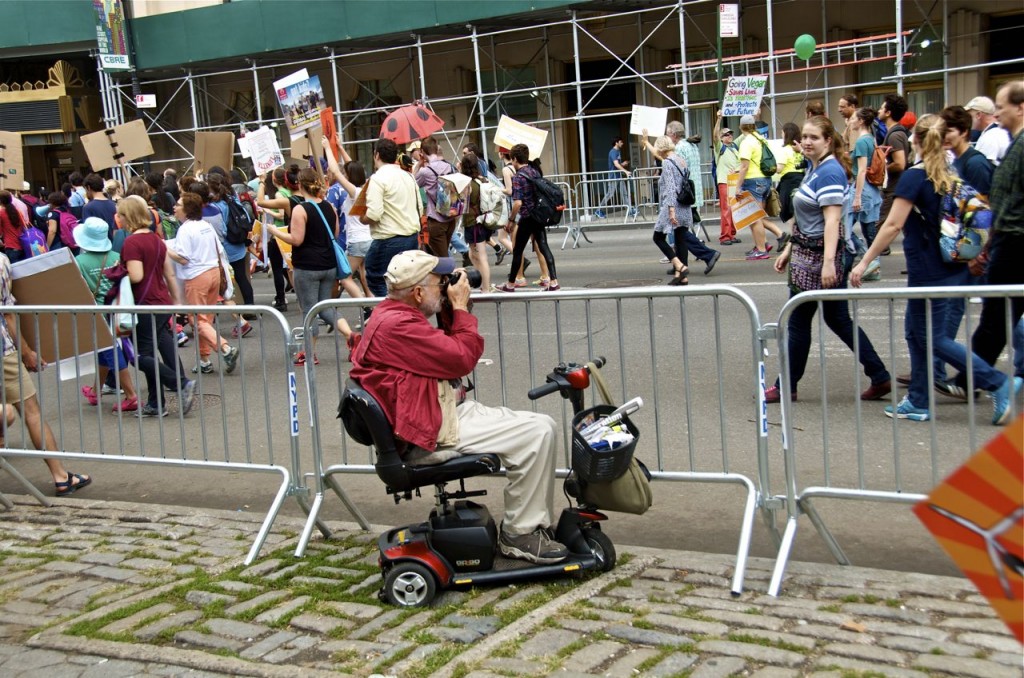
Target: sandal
{"type": "Point", "coordinates": [300, 359]}
{"type": "Point", "coordinates": [680, 278]}
{"type": "Point", "coordinates": [89, 393]}
{"type": "Point", "coordinates": [69, 485]}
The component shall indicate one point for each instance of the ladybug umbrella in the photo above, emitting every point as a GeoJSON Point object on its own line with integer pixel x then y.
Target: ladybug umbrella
{"type": "Point", "coordinates": [411, 122]}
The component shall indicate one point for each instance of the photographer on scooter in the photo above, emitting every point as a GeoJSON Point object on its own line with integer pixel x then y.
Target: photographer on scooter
{"type": "Point", "coordinates": [414, 371]}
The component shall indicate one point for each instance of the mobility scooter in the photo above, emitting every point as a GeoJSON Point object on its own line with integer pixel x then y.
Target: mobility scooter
{"type": "Point", "coordinates": [457, 546]}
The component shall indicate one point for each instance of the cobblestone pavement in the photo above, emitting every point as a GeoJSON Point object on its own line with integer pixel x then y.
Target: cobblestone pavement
{"type": "Point", "coordinates": [115, 589]}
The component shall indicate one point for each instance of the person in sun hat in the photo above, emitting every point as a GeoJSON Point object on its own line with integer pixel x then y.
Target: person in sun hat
{"type": "Point", "coordinates": [409, 367]}
{"type": "Point", "coordinates": [96, 254]}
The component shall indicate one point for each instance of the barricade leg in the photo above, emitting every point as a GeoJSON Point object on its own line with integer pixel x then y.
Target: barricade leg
{"type": "Point", "coordinates": [29, 487]}
{"type": "Point", "coordinates": [826, 535]}
{"type": "Point", "coordinates": [313, 511]}
{"type": "Point", "coordinates": [268, 521]}
{"type": "Point", "coordinates": [792, 523]}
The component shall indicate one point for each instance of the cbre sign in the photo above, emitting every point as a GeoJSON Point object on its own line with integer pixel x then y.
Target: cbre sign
{"type": "Point", "coordinates": [111, 35]}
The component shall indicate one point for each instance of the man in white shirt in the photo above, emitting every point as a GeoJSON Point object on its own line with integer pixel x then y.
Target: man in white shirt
{"type": "Point", "coordinates": [994, 140]}
{"type": "Point", "coordinates": [392, 212]}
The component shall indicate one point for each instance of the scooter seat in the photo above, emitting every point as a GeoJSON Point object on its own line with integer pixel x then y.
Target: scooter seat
{"type": "Point", "coordinates": [365, 421]}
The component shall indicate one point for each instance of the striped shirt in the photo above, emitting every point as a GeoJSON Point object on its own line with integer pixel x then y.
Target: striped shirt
{"type": "Point", "coordinates": [822, 186]}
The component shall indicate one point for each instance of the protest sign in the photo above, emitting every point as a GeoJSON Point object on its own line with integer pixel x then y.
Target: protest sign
{"type": "Point", "coordinates": [243, 146]}
{"type": "Point", "coordinates": [743, 95]}
{"type": "Point", "coordinates": [511, 132]}
{"type": "Point", "coordinates": [213, 149]}
{"type": "Point", "coordinates": [648, 118]}
{"type": "Point", "coordinates": [12, 162]}
{"type": "Point", "coordinates": [746, 210]}
{"type": "Point", "coordinates": [301, 102]}
{"type": "Point", "coordinates": [330, 132]}
{"type": "Point", "coordinates": [264, 149]}
{"type": "Point", "coordinates": [117, 145]}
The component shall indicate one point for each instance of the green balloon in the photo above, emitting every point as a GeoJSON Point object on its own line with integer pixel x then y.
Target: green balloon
{"type": "Point", "coordinates": [804, 46]}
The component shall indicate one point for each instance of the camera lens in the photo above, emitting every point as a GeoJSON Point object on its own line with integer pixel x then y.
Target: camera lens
{"type": "Point", "coordinates": [474, 278]}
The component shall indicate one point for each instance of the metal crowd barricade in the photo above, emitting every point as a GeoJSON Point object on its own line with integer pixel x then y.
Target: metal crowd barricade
{"type": "Point", "coordinates": [244, 421]}
{"type": "Point", "coordinates": [868, 462]}
{"type": "Point", "coordinates": [663, 344]}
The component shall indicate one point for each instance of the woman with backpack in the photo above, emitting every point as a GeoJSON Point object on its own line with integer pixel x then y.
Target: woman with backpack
{"type": "Point", "coordinates": [60, 223]}
{"type": "Point", "coordinates": [676, 218]}
{"type": "Point", "coordinates": [524, 201]}
{"type": "Point", "coordinates": [477, 234]}
{"type": "Point", "coordinates": [275, 197]}
{"type": "Point", "coordinates": [815, 259]}
{"type": "Point", "coordinates": [865, 201]}
{"type": "Point", "coordinates": [917, 212]}
{"type": "Point", "coordinates": [11, 227]}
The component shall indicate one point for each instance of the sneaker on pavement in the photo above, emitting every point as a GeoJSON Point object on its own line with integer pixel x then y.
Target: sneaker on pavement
{"type": "Point", "coordinates": [755, 255]}
{"type": "Point", "coordinates": [188, 396]}
{"type": "Point", "coordinates": [873, 267]}
{"type": "Point", "coordinates": [1003, 397]}
{"type": "Point", "coordinates": [783, 240]}
{"type": "Point", "coordinates": [633, 212]}
{"type": "Point", "coordinates": [948, 387]}
{"type": "Point", "coordinates": [241, 331]}
{"type": "Point", "coordinates": [151, 411]}
{"type": "Point", "coordinates": [877, 391]}
{"type": "Point", "coordinates": [230, 359]}
{"type": "Point", "coordinates": [663, 260]}
{"type": "Point", "coordinates": [499, 256]}
{"type": "Point", "coordinates": [110, 390]}
{"type": "Point", "coordinates": [906, 410]}
{"type": "Point", "coordinates": [874, 276]}
{"type": "Point", "coordinates": [182, 338]}
{"type": "Point", "coordinates": [505, 287]}
{"type": "Point", "coordinates": [204, 366]}
{"type": "Point", "coordinates": [553, 288]}
{"type": "Point", "coordinates": [600, 214]}
{"type": "Point", "coordinates": [536, 547]}
{"type": "Point", "coordinates": [520, 282]}
{"type": "Point", "coordinates": [281, 305]}
{"type": "Point", "coordinates": [711, 262]}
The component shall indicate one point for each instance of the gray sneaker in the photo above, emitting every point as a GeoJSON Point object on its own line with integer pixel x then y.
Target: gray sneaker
{"type": "Point", "coordinates": [188, 396]}
{"type": "Point", "coordinates": [230, 359]}
{"type": "Point", "coordinates": [536, 547]}
{"type": "Point", "coordinates": [110, 390]}
{"type": "Point", "coordinates": [150, 411]}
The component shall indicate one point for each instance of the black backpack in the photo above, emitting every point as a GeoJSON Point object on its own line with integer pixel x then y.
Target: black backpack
{"type": "Point", "coordinates": [238, 223]}
{"type": "Point", "coordinates": [549, 201]}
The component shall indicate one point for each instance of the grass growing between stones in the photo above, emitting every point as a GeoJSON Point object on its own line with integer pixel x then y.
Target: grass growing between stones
{"type": "Point", "coordinates": [92, 628]}
{"type": "Point", "coordinates": [766, 642]}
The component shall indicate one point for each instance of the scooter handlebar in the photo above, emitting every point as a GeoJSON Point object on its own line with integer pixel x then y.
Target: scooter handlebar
{"type": "Point", "coordinates": [543, 390]}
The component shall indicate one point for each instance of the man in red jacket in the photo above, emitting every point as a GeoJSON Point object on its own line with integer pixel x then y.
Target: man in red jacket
{"type": "Point", "coordinates": [408, 365]}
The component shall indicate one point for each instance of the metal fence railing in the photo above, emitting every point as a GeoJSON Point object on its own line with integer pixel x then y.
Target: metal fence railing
{"type": "Point", "coordinates": [839, 447]}
{"type": "Point", "coordinates": [688, 430]}
{"type": "Point", "coordinates": [242, 421]}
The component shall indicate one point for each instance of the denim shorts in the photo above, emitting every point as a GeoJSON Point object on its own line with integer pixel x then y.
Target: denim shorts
{"type": "Point", "coordinates": [758, 188]}
{"type": "Point", "coordinates": [358, 249]}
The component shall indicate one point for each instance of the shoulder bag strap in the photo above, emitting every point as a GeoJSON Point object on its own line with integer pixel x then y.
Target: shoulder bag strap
{"type": "Point", "coordinates": [330, 235]}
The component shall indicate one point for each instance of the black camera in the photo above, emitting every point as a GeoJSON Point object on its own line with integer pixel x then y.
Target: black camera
{"type": "Point", "coordinates": [472, 275]}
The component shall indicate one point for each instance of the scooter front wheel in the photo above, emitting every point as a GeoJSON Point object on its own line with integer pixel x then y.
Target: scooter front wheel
{"type": "Point", "coordinates": [602, 548]}
{"type": "Point", "coordinates": [410, 585]}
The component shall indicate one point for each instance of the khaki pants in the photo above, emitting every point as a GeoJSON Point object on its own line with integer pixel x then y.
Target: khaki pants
{"type": "Point", "coordinates": [525, 443]}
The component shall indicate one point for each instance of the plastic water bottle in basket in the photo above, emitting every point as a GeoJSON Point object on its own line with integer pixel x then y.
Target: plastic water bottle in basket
{"type": "Point", "coordinates": [603, 441]}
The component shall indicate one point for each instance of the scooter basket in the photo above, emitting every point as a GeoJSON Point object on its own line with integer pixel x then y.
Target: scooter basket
{"type": "Point", "coordinates": [600, 465]}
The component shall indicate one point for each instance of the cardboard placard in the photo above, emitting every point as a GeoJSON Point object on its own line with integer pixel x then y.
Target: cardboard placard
{"type": "Point", "coordinates": [359, 204]}
{"type": "Point", "coordinates": [648, 118]}
{"type": "Point", "coordinates": [117, 145]}
{"type": "Point", "coordinates": [732, 182]}
{"type": "Point", "coordinates": [53, 279]}
{"type": "Point", "coordinates": [308, 147]}
{"type": "Point", "coordinates": [12, 162]}
{"type": "Point", "coordinates": [743, 95]}
{"type": "Point", "coordinates": [746, 210]}
{"type": "Point", "coordinates": [213, 149]}
{"type": "Point", "coordinates": [511, 132]}
{"type": "Point", "coordinates": [264, 150]}
{"type": "Point", "coordinates": [330, 132]}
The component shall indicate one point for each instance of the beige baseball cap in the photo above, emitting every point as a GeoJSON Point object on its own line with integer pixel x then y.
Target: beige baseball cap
{"type": "Point", "coordinates": [409, 267]}
{"type": "Point", "coordinates": [413, 145]}
{"type": "Point", "coordinates": [981, 105]}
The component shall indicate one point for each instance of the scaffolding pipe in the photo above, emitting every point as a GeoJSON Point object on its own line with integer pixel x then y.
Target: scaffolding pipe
{"type": "Point", "coordinates": [550, 104]}
{"type": "Point", "coordinates": [682, 58]}
{"type": "Point", "coordinates": [337, 95]}
{"type": "Point", "coordinates": [824, 57]}
{"type": "Point", "coordinates": [579, 110]}
{"type": "Point", "coordinates": [771, 69]}
{"type": "Point", "coordinates": [945, 53]}
{"type": "Point", "coordinates": [423, 77]}
{"type": "Point", "coordinates": [256, 93]}
{"type": "Point", "coordinates": [900, 47]}
{"type": "Point", "coordinates": [480, 95]}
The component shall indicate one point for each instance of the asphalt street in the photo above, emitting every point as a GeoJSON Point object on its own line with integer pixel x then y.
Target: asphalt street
{"type": "Point", "coordinates": [717, 412]}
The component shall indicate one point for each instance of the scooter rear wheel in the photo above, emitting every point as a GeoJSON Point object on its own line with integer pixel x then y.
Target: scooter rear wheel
{"type": "Point", "coordinates": [602, 548]}
{"type": "Point", "coordinates": [410, 585]}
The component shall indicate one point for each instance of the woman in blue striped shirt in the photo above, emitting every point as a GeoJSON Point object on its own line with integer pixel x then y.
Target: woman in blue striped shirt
{"type": "Point", "coordinates": [816, 258]}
